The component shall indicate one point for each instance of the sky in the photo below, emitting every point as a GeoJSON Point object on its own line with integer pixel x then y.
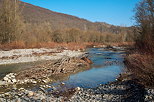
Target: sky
{"type": "Point", "coordinates": [116, 12]}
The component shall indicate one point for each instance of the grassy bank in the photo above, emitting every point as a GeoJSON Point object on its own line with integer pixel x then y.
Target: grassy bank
{"type": "Point", "coordinates": [142, 68]}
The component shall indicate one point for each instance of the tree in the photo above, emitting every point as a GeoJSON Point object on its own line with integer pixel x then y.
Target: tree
{"type": "Point", "coordinates": [145, 20]}
{"type": "Point", "coordinates": [57, 36]}
{"type": "Point", "coordinates": [11, 22]}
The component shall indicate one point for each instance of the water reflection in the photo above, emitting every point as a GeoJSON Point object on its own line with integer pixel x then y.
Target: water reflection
{"type": "Point", "coordinates": [107, 65]}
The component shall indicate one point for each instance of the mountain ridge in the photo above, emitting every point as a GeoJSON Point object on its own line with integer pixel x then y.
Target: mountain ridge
{"type": "Point", "coordinates": [36, 14]}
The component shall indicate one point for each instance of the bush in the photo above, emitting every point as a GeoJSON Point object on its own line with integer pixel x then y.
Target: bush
{"type": "Point", "coordinates": [142, 66]}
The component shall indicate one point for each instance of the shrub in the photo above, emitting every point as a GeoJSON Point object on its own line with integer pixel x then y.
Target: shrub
{"type": "Point", "coordinates": [142, 66]}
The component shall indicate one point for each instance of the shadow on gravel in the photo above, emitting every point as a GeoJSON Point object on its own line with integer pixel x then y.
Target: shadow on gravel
{"type": "Point", "coordinates": [135, 92]}
{"type": "Point", "coordinates": [126, 91]}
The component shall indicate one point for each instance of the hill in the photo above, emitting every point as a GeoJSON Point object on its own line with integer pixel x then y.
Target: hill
{"type": "Point", "coordinates": [35, 14]}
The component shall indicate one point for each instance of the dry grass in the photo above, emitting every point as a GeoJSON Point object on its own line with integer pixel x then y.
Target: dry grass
{"type": "Point", "coordinates": [142, 67]}
{"type": "Point", "coordinates": [146, 46]}
{"type": "Point", "coordinates": [13, 45]}
{"type": "Point", "coordinates": [70, 46]}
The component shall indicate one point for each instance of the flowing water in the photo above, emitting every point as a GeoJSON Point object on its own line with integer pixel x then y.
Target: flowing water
{"type": "Point", "coordinates": [107, 65]}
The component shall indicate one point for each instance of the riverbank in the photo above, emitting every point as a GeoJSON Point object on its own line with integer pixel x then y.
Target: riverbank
{"type": "Point", "coordinates": [125, 91]}
{"type": "Point", "coordinates": [31, 55]}
{"type": "Point", "coordinates": [62, 64]}
{"type": "Point", "coordinates": [140, 64]}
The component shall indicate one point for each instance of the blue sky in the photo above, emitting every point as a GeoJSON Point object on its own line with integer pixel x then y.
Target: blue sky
{"type": "Point", "coordinates": [117, 12]}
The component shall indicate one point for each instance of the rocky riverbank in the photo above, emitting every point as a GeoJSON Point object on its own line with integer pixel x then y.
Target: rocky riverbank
{"type": "Point", "coordinates": [31, 55]}
{"type": "Point", "coordinates": [62, 64]}
{"type": "Point", "coordinates": [45, 72]}
{"type": "Point", "coordinates": [124, 91]}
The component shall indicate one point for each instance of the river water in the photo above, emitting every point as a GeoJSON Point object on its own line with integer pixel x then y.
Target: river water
{"type": "Point", "coordinates": [107, 65]}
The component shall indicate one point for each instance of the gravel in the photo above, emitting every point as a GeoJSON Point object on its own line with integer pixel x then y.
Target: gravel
{"type": "Point", "coordinates": [31, 55]}
{"type": "Point", "coordinates": [126, 91]}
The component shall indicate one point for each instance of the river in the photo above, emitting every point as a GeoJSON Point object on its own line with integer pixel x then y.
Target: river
{"type": "Point", "coordinates": [107, 65]}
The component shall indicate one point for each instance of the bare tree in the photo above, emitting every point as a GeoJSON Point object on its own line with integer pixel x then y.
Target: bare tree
{"type": "Point", "coordinates": [145, 20]}
{"type": "Point", "coordinates": [11, 22]}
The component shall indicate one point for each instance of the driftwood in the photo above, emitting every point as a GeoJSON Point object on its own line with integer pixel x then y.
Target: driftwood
{"type": "Point", "coordinates": [61, 66]}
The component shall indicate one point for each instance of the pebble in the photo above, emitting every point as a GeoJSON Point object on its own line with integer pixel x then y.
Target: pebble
{"type": "Point", "coordinates": [14, 80]}
{"type": "Point", "coordinates": [30, 93]}
{"type": "Point", "coordinates": [62, 83]}
{"type": "Point", "coordinates": [6, 78]}
{"type": "Point", "coordinates": [34, 82]}
{"type": "Point", "coordinates": [77, 88]}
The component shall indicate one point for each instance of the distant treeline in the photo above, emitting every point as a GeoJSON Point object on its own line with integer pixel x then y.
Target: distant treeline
{"type": "Point", "coordinates": [14, 28]}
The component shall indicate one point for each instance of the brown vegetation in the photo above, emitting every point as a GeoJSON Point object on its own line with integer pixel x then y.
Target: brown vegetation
{"type": "Point", "coordinates": [145, 19]}
{"type": "Point", "coordinates": [32, 29]}
{"type": "Point", "coordinates": [11, 23]}
{"type": "Point", "coordinates": [142, 66]}
{"type": "Point", "coordinates": [141, 62]}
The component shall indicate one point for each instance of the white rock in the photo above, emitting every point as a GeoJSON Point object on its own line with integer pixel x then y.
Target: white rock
{"type": "Point", "coordinates": [14, 80]}
{"type": "Point", "coordinates": [2, 83]}
{"type": "Point", "coordinates": [6, 78]}
{"type": "Point", "coordinates": [62, 83]}
{"type": "Point", "coordinates": [46, 80]}
{"type": "Point", "coordinates": [9, 81]}
{"type": "Point", "coordinates": [34, 82]}
{"type": "Point", "coordinates": [30, 93]}
{"type": "Point", "coordinates": [78, 88]}
{"type": "Point", "coordinates": [21, 89]}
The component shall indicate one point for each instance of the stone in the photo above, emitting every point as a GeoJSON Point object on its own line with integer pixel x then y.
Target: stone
{"type": "Point", "coordinates": [42, 97]}
{"type": "Point", "coordinates": [42, 89]}
{"type": "Point", "coordinates": [77, 88]}
{"type": "Point", "coordinates": [34, 82]}
{"type": "Point", "coordinates": [21, 89]}
{"type": "Point", "coordinates": [30, 93]}
{"type": "Point", "coordinates": [7, 94]}
{"type": "Point", "coordinates": [46, 80]}
{"type": "Point", "coordinates": [54, 88]}
{"type": "Point", "coordinates": [1, 100]}
{"type": "Point", "coordinates": [2, 83]}
{"type": "Point", "coordinates": [14, 80]}
{"type": "Point", "coordinates": [62, 83]}
{"type": "Point", "coordinates": [9, 81]}
{"type": "Point", "coordinates": [6, 78]}
{"type": "Point", "coordinates": [18, 100]}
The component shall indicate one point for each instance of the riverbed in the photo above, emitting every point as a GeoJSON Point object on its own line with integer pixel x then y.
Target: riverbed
{"type": "Point", "coordinates": [107, 65]}
{"type": "Point", "coordinates": [95, 84]}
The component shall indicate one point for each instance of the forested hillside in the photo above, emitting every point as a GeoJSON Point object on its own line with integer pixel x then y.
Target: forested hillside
{"type": "Point", "coordinates": [36, 25]}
